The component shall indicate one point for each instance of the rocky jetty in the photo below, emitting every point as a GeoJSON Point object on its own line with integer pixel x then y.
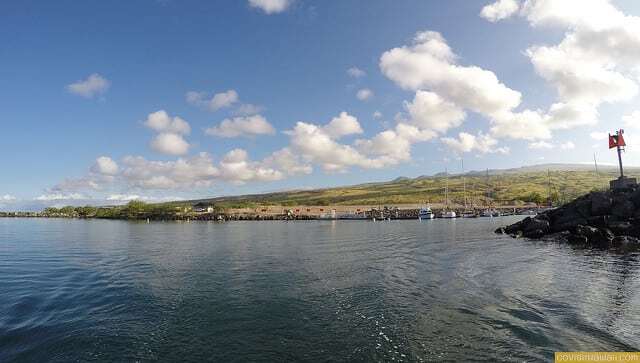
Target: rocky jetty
{"type": "Point", "coordinates": [603, 219]}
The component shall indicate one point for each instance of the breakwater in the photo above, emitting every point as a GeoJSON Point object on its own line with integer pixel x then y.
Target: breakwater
{"type": "Point", "coordinates": [602, 219]}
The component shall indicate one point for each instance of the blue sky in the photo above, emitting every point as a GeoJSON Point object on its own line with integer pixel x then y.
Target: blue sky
{"type": "Point", "coordinates": [80, 80]}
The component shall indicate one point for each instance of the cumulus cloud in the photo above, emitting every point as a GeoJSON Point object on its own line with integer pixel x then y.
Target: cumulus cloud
{"type": "Point", "coordinates": [237, 168]}
{"type": "Point", "coordinates": [499, 10]}
{"type": "Point", "coordinates": [444, 89]}
{"type": "Point", "coordinates": [270, 6]}
{"type": "Point", "coordinates": [196, 171]}
{"type": "Point", "coordinates": [170, 144]}
{"type": "Point", "coordinates": [430, 64]}
{"type": "Point", "coordinates": [595, 62]}
{"type": "Point", "coordinates": [242, 126]}
{"type": "Point", "coordinates": [160, 121]}
{"type": "Point", "coordinates": [569, 145]}
{"type": "Point", "coordinates": [94, 85]}
{"type": "Point", "coordinates": [343, 125]}
{"type": "Point", "coordinates": [105, 165]}
{"type": "Point", "coordinates": [170, 140]}
{"type": "Point", "coordinates": [364, 94]}
{"type": "Point", "coordinates": [430, 111]}
{"type": "Point", "coordinates": [288, 162]}
{"type": "Point", "coordinates": [377, 115]}
{"type": "Point", "coordinates": [318, 144]}
{"type": "Point", "coordinates": [218, 101]}
{"type": "Point", "coordinates": [467, 142]}
{"type": "Point", "coordinates": [356, 72]}
{"type": "Point", "coordinates": [7, 198]}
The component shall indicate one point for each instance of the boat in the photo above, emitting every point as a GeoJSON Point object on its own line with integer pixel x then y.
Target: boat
{"type": "Point", "coordinates": [426, 213]}
{"type": "Point", "coordinates": [469, 214]}
{"type": "Point", "coordinates": [490, 213]}
{"type": "Point", "coordinates": [448, 214]}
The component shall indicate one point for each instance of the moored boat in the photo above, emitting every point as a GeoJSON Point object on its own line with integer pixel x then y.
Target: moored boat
{"type": "Point", "coordinates": [425, 213]}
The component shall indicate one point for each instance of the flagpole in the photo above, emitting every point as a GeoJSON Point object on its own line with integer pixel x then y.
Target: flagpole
{"type": "Point", "coordinates": [619, 134]}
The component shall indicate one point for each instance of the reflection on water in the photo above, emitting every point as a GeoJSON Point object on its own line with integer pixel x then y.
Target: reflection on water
{"type": "Point", "coordinates": [442, 290]}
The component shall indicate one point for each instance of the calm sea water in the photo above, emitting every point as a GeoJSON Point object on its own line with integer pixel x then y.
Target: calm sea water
{"type": "Point", "coordinates": [443, 290]}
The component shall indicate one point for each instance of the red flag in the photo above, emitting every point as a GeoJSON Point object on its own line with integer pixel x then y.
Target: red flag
{"type": "Point", "coordinates": [621, 139]}
{"type": "Point", "coordinates": [613, 141]}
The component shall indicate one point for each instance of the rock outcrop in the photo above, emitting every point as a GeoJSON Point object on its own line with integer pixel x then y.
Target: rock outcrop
{"type": "Point", "coordinates": [604, 219]}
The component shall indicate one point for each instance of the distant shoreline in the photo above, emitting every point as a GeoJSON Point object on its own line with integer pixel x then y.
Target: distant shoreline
{"type": "Point", "coordinates": [305, 213]}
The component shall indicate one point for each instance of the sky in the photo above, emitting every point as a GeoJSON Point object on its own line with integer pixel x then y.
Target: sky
{"type": "Point", "coordinates": [105, 102]}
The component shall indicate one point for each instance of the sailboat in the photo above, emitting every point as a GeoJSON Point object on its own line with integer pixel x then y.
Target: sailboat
{"type": "Point", "coordinates": [490, 211]}
{"type": "Point", "coordinates": [446, 213]}
{"type": "Point", "coordinates": [466, 213]}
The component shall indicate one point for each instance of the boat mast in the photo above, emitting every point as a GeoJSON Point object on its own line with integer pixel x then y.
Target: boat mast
{"type": "Point", "coordinates": [446, 188]}
{"type": "Point", "coordinates": [488, 193]}
{"type": "Point", "coordinates": [464, 185]}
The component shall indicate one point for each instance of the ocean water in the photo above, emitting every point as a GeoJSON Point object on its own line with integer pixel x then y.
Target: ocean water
{"type": "Point", "coordinates": [442, 290]}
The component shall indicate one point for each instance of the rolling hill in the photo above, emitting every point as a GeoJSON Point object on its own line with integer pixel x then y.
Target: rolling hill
{"type": "Point", "coordinates": [562, 182]}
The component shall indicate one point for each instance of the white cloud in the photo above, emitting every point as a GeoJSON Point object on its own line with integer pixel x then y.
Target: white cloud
{"type": "Point", "coordinates": [429, 64]}
{"type": "Point", "coordinates": [105, 165]}
{"type": "Point", "coordinates": [569, 145]}
{"type": "Point", "coordinates": [632, 120]}
{"type": "Point", "coordinates": [430, 111]}
{"type": "Point", "coordinates": [318, 144]}
{"type": "Point", "coordinates": [525, 125]}
{"type": "Point", "coordinates": [595, 62]}
{"type": "Point", "coordinates": [540, 145]}
{"type": "Point", "coordinates": [7, 198]}
{"type": "Point", "coordinates": [356, 72]}
{"type": "Point", "coordinates": [160, 121]}
{"type": "Point", "coordinates": [445, 89]}
{"type": "Point", "coordinates": [343, 125]}
{"type": "Point", "coordinates": [170, 144]}
{"type": "Point", "coordinates": [94, 85]}
{"type": "Point", "coordinates": [270, 6]}
{"type": "Point", "coordinates": [466, 142]}
{"type": "Point", "coordinates": [192, 172]}
{"type": "Point", "coordinates": [377, 115]}
{"type": "Point", "coordinates": [499, 10]}
{"type": "Point", "coordinates": [288, 162]}
{"type": "Point", "coordinates": [61, 196]}
{"type": "Point", "coordinates": [237, 168]}
{"type": "Point", "coordinates": [242, 126]}
{"type": "Point", "coordinates": [218, 101]}
{"type": "Point", "coordinates": [364, 94]}
{"type": "Point", "coordinates": [599, 135]}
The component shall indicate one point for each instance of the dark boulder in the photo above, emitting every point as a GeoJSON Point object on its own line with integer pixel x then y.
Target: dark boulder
{"type": "Point", "coordinates": [626, 243]}
{"type": "Point", "coordinates": [622, 228]}
{"type": "Point", "coordinates": [597, 237]}
{"type": "Point", "coordinates": [567, 220]}
{"type": "Point", "coordinates": [635, 198]}
{"type": "Point", "coordinates": [623, 207]}
{"type": "Point", "coordinates": [577, 239]}
{"type": "Point", "coordinates": [534, 233]}
{"type": "Point", "coordinates": [533, 225]}
{"type": "Point", "coordinates": [600, 203]}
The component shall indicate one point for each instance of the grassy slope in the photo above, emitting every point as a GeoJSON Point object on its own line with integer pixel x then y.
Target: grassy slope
{"type": "Point", "coordinates": [506, 187]}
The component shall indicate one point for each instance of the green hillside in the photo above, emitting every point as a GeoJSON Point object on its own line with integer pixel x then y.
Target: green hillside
{"type": "Point", "coordinates": [532, 184]}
